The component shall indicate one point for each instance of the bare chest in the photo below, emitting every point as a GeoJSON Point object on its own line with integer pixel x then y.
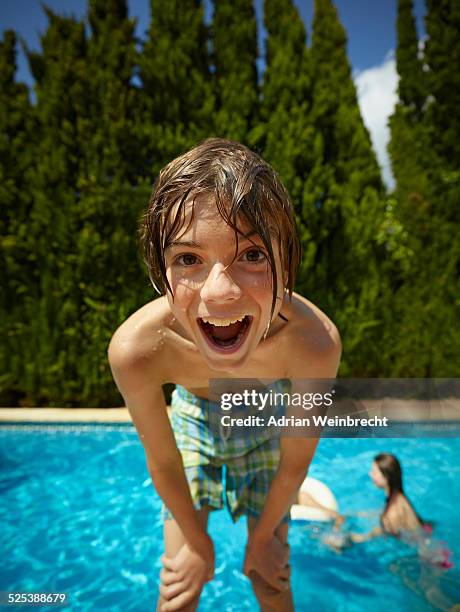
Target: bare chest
{"type": "Point", "coordinates": [269, 361]}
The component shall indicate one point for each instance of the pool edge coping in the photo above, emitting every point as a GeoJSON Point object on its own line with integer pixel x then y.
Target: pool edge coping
{"type": "Point", "coordinates": [107, 415]}
{"type": "Point", "coordinates": [65, 415]}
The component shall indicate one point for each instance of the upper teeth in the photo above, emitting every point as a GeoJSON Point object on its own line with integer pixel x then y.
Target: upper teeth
{"type": "Point", "coordinates": [221, 322]}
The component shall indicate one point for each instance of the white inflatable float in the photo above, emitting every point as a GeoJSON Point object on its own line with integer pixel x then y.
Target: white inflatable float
{"type": "Point", "coordinates": [322, 495]}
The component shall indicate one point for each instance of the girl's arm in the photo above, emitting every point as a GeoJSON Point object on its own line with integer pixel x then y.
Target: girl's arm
{"type": "Point", "coordinates": [305, 499]}
{"type": "Point", "coordinates": [365, 537]}
{"type": "Point", "coordinates": [366, 513]}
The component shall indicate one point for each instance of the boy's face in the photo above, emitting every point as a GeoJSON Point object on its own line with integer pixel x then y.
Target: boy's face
{"type": "Point", "coordinates": [209, 299]}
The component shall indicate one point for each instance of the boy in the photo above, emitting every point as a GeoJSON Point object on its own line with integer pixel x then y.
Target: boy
{"type": "Point", "coordinates": [220, 244]}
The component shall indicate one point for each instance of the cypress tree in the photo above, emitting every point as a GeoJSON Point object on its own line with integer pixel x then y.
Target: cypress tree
{"type": "Point", "coordinates": [51, 345]}
{"type": "Point", "coordinates": [407, 148]}
{"type": "Point", "coordinates": [18, 269]}
{"type": "Point", "coordinates": [408, 144]}
{"type": "Point", "coordinates": [336, 113]}
{"type": "Point", "coordinates": [442, 55]}
{"type": "Point", "coordinates": [177, 89]}
{"type": "Point", "coordinates": [343, 205]}
{"type": "Point", "coordinates": [114, 101]}
{"type": "Point", "coordinates": [285, 132]}
{"type": "Point", "coordinates": [411, 84]}
{"type": "Point", "coordinates": [423, 158]}
{"type": "Point", "coordinates": [234, 35]}
{"type": "Point", "coordinates": [111, 196]}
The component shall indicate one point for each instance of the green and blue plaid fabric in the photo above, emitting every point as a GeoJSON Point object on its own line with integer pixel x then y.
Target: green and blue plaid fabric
{"type": "Point", "coordinates": [223, 470]}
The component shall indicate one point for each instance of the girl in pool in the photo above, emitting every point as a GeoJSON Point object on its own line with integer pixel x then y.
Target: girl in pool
{"type": "Point", "coordinates": [399, 517]}
{"type": "Point", "coordinates": [425, 576]}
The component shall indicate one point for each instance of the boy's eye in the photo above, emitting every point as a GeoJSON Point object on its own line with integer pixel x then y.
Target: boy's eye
{"type": "Point", "coordinates": [254, 256]}
{"type": "Point", "coordinates": [186, 260]}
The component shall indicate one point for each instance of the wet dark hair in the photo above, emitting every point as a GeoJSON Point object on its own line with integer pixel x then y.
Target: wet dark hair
{"type": "Point", "coordinates": [245, 188]}
{"type": "Point", "coordinates": [391, 468]}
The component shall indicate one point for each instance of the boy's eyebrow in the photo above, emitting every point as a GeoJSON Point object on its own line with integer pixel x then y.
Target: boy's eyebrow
{"type": "Point", "coordinates": [183, 243]}
{"type": "Point", "coordinates": [195, 245]}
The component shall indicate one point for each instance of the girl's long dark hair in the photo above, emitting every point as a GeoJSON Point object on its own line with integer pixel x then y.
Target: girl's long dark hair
{"type": "Point", "coordinates": [391, 468]}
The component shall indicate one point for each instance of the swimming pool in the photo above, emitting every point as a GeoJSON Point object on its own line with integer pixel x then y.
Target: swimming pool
{"type": "Point", "coordinates": [79, 515]}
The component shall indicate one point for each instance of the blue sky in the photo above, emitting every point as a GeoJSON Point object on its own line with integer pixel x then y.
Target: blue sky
{"type": "Point", "coordinates": [370, 25]}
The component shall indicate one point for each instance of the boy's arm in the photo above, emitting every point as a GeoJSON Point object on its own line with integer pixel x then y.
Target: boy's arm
{"type": "Point", "coordinates": [296, 453]}
{"type": "Point", "coordinates": [296, 456]}
{"type": "Point", "coordinates": [264, 551]}
{"type": "Point", "coordinates": [140, 383]}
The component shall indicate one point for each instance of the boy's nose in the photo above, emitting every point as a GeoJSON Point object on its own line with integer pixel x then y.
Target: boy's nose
{"type": "Point", "coordinates": [219, 286]}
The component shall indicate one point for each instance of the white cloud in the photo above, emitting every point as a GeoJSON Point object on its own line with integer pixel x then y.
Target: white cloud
{"type": "Point", "coordinates": [377, 96]}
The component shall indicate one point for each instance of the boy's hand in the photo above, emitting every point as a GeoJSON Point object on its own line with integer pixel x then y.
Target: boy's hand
{"type": "Point", "coordinates": [269, 558]}
{"type": "Point", "coordinates": [183, 577]}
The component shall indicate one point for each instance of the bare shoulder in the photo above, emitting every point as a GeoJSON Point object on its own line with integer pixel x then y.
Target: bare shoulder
{"type": "Point", "coordinates": [311, 326]}
{"type": "Point", "coordinates": [140, 340]}
{"type": "Point", "coordinates": [313, 339]}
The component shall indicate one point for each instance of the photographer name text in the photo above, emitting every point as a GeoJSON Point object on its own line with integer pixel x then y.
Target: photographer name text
{"type": "Point", "coordinates": [290, 421]}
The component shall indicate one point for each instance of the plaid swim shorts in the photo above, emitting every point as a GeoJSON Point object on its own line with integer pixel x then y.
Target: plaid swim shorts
{"type": "Point", "coordinates": [223, 471]}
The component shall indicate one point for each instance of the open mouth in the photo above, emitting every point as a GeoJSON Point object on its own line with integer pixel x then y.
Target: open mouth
{"type": "Point", "coordinates": [226, 338]}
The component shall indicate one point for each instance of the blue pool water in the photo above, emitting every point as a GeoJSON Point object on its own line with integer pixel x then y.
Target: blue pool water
{"type": "Point", "coordinates": [78, 515]}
